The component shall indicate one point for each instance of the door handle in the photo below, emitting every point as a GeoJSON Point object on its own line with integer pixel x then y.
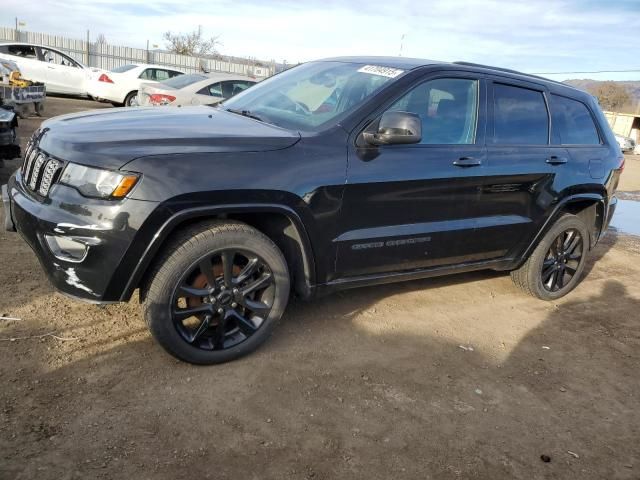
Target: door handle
{"type": "Point", "coordinates": [555, 160]}
{"type": "Point", "coordinates": [467, 162]}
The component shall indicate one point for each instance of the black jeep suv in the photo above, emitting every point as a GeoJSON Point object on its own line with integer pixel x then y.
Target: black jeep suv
{"type": "Point", "coordinates": [334, 174]}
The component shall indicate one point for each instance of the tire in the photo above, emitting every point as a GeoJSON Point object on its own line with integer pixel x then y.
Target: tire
{"type": "Point", "coordinates": [533, 276]}
{"type": "Point", "coordinates": [217, 335]}
{"type": "Point", "coordinates": [130, 99]}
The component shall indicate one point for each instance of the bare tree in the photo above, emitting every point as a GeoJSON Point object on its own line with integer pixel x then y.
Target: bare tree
{"type": "Point", "coordinates": [611, 95]}
{"type": "Point", "coordinates": [191, 43]}
{"type": "Point", "coordinates": [101, 38]}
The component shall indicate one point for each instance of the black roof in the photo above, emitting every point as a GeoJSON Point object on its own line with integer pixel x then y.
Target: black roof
{"type": "Point", "coordinates": [391, 62]}
{"type": "Point", "coordinates": [406, 63]}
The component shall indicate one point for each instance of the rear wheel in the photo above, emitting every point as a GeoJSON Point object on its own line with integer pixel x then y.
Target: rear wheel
{"type": "Point", "coordinates": [216, 293]}
{"type": "Point", "coordinates": [131, 100]}
{"type": "Point", "coordinates": [556, 265]}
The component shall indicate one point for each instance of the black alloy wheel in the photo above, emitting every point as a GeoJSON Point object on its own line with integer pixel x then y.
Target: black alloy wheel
{"type": "Point", "coordinates": [562, 260]}
{"type": "Point", "coordinates": [216, 292]}
{"type": "Point", "coordinates": [223, 299]}
{"type": "Point", "coordinates": [556, 265]}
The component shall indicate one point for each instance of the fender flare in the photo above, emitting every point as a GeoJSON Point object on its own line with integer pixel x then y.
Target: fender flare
{"type": "Point", "coordinates": [596, 197]}
{"type": "Point", "coordinates": [169, 226]}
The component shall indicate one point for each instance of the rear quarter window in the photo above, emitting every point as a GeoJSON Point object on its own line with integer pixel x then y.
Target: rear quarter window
{"type": "Point", "coordinates": [572, 122]}
{"type": "Point", "coordinates": [520, 116]}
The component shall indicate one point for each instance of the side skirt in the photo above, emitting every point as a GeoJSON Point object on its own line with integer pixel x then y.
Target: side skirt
{"type": "Point", "coordinates": [392, 277]}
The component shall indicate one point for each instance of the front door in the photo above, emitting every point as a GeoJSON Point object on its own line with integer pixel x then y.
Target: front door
{"type": "Point", "coordinates": [63, 74]}
{"type": "Point", "coordinates": [409, 207]}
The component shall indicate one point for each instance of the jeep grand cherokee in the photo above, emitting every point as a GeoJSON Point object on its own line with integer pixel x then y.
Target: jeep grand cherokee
{"type": "Point", "coordinates": [334, 174]}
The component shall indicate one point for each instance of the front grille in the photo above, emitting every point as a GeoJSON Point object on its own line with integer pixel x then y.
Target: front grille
{"type": "Point", "coordinates": [39, 171]}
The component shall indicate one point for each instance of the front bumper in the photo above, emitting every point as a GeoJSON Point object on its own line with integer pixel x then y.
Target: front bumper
{"type": "Point", "coordinates": [108, 228]}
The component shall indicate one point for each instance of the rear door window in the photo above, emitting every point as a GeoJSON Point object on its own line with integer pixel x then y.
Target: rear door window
{"type": "Point", "coordinates": [161, 75]}
{"type": "Point", "coordinates": [573, 122]}
{"type": "Point", "coordinates": [147, 74]}
{"type": "Point", "coordinates": [520, 116]}
{"type": "Point", "coordinates": [233, 87]}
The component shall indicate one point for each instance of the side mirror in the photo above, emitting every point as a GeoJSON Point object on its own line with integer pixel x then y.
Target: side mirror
{"type": "Point", "coordinates": [396, 128]}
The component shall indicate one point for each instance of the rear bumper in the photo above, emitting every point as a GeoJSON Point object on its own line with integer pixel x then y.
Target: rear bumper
{"type": "Point", "coordinates": [611, 210]}
{"type": "Point", "coordinates": [107, 228]}
{"type": "Point", "coordinates": [105, 92]}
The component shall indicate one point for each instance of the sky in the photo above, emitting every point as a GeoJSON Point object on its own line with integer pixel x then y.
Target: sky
{"type": "Point", "coordinates": [534, 36]}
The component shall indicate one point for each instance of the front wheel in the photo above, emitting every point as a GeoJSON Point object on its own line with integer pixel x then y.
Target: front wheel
{"type": "Point", "coordinates": [556, 265]}
{"type": "Point", "coordinates": [216, 293]}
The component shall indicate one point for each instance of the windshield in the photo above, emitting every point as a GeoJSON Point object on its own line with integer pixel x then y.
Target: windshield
{"type": "Point", "coordinates": [312, 94]}
{"type": "Point", "coordinates": [182, 81]}
{"type": "Point", "coordinates": [123, 68]}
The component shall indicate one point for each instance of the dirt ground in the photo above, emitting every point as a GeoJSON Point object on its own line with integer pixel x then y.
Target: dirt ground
{"type": "Point", "coordinates": [456, 377]}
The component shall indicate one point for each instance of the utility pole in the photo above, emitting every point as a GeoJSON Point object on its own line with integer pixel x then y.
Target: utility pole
{"type": "Point", "coordinates": [402, 43]}
{"type": "Point", "coordinates": [87, 51]}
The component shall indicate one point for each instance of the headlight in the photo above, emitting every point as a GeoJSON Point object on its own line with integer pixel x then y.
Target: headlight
{"type": "Point", "coordinates": [96, 182]}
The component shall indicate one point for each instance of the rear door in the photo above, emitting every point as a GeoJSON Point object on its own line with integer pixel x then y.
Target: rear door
{"type": "Point", "coordinates": [519, 185]}
{"type": "Point", "coordinates": [408, 206]}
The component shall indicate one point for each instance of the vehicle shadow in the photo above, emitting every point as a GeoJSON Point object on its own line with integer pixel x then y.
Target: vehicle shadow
{"type": "Point", "coordinates": [350, 386]}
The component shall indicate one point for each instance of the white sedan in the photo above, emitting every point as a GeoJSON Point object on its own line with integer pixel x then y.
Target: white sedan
{"type": "Point", "coordinates": [58, 71]}
{"type": "Point", "coordinates": [120, 86]}
{"type": "Point", "coordinates": [193, 89]}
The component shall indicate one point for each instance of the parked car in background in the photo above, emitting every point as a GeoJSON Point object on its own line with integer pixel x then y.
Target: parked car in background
{"type": "Point", "coordinates": [193, 89]}
{"type": "Point", "coordinates": [9, 146]}
{"type": "Point", "coordinates": [627, 145]}
{"type": "Point", "coordinates": [120, 86]}
{"type": "Point", "coordinates": [58, 71]}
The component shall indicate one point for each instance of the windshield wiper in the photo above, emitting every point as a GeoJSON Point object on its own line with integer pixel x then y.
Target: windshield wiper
{"type": "Point", "coordinates": [244, 113]}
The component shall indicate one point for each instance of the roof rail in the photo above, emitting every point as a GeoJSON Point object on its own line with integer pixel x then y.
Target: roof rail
{"type": "Point", "coordinates": [471, 64]}
{"type": "Point", "coordinates": [508, 70]}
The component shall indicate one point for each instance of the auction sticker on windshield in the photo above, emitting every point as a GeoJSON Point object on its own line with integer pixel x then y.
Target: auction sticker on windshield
{"type": "Point", "coordinates": [382, 71]}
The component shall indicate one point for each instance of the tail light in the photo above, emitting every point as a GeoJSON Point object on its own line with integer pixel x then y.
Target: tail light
{"type": "Point", "coordinates": [105, 78]}
{"type": "Point", "coordinates": [161, 99]}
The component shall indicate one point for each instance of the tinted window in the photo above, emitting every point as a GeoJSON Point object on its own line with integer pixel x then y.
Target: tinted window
{"type": "Point", "coordinates": [26, 51]}
{"type": "Point", "coordinates": [182, 81]}
{"type": "Point", "coordinates": [123, 68]}
{"type": "Point", "coordinates": [448, 108]}
{"type": "Point", "coordinates": [215, 90]}
{"type": "Point", "coordinates": [161, 75]}
{"type": "Point", "coordinates": [573, 122]}
{"type": "Point", "coordinates": [520, 116]}
{"type": "Point", "coordinates": [147, 74]}
{"type": "Point", "coordinates": [234, 87]}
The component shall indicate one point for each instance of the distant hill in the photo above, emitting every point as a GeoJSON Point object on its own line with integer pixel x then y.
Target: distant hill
{"type": "Point", "coordinates": [633, 87]}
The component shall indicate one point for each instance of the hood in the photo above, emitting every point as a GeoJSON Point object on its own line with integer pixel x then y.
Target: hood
{"type": "Point", "coordinates": [112, 137]}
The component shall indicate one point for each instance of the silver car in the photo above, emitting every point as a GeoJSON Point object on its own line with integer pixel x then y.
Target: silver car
{"type": "Point", "coordinates": [626, 144]}
{"type": "Point", "coordinates": [193, 89]}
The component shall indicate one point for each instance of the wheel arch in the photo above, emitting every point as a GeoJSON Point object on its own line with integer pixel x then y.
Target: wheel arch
{"type": "Point", "coordinates": [590, 207]}
{"type": "Point", "coordinates": [278, 222]}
